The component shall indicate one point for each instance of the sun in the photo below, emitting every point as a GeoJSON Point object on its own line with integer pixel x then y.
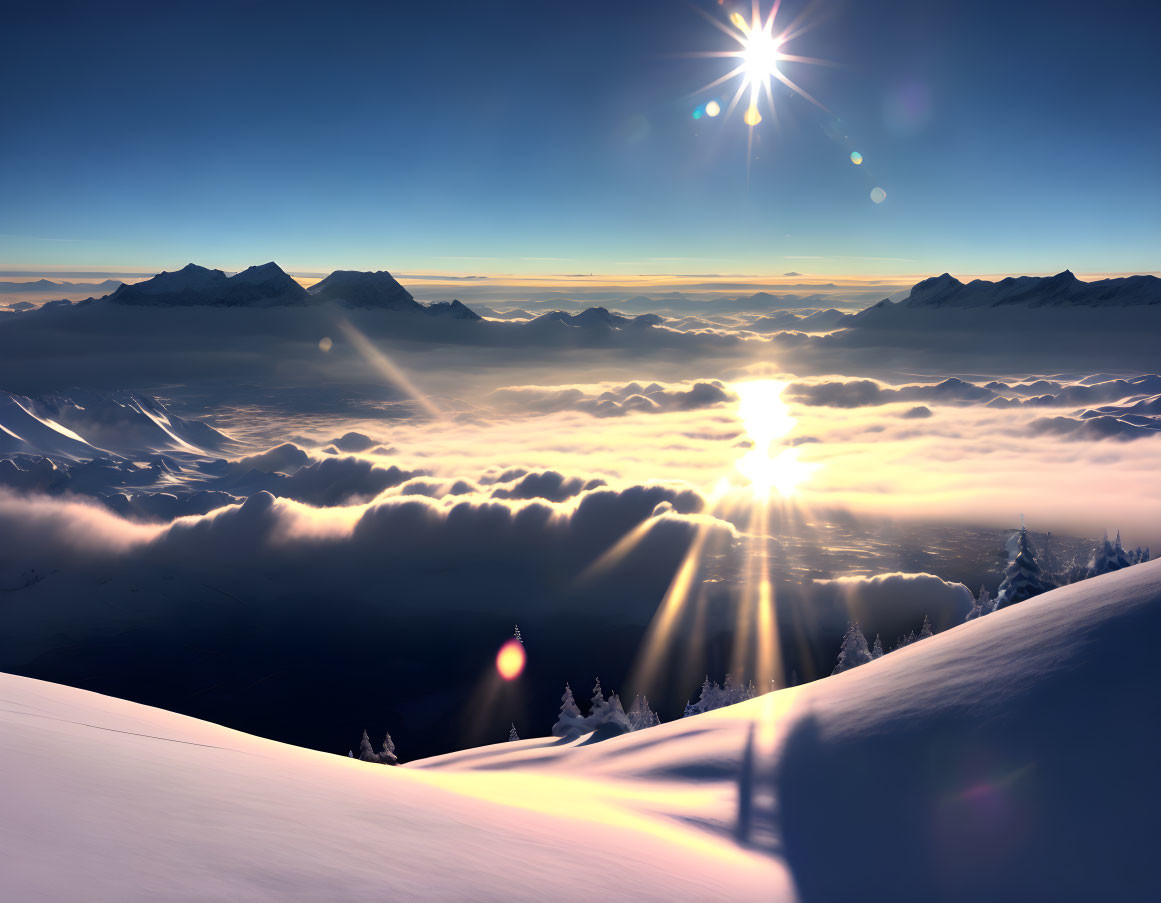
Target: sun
{"type": "Point", "coordinates": [767, 419]}
{"type": "Point", "coordinates": [758, 57]}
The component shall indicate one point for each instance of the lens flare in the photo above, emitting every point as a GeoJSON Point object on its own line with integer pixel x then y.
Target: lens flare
{"type": "Point", "coordinates": [712, 109]}
{"type": "Point", "coordinates": [878, 195]}
{"type": "Point", "coordinates": [856, 158]}
{"type": "Point", "coordinates": [758, 61]}
{"type": "Point", "coordinates": [510, 660]}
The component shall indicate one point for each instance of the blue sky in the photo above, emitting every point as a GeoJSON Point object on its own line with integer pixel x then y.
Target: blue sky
{"type": "Point", "coordinates": [559, 138]}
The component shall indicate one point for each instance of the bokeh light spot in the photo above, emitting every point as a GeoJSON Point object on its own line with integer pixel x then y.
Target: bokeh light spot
{"type": "Point", "coordinates": [697, 113]}
{"type": "Point", "coordinates": [753, 117]}
{"type": "Point", "coordinates": [712, 108]}
{"type": "Point", "coordinates": [325, 343]}
{"type": "Point", "coordinates": [510, 660]}
{"type": "Point", "coordinates": [878, 195]}
{"type": "Point", "coordinates": [856, 158]}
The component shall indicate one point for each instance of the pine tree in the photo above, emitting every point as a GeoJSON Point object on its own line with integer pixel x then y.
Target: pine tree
{"type": "Point", "coordinates": [854, 650]}
{"type": "Point", "coordinates": [610, 719]}
{"type": "Point", "coordinates": [925, 631]}
{"type": "Point", "coordinates": [734, 691]}
{"type": "Point", "coordinates": [641, 716]}
{"type": "Point", "coordinates": [598, 701]}
{"type": "Point", "coordinates": [1022, 578]}
{"type": "Point", "coordinates": [387, 756]}
{"type": "Point", "coordinates": [649, 718]}
{"type": "Point", "coordinates": [570, 723]}
{"type": "Point", "coordinates": [512, 735]}
{"type": "Point", "coordinates": [710, 697]}
{"type": "Point", "coordinates": [366, 753]}
{"type": "Point", "coordinates": [877, 649]}
{"type": "Point", "coordinates": [984, 604]}
{"type": "Point", "coordinates": [519, 638]}
{"type": "Point", "coordinates": [1107, 557]}
{"type": "Point", "coordinates": [1123, 558]}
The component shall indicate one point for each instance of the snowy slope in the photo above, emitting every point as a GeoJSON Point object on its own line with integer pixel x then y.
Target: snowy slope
{"type": "Point", "coordinates": [1010, 758]}
{"type": "Point", "coordinates": [83, 425]}
{"type": "Point", "coordinates": [114, 801]}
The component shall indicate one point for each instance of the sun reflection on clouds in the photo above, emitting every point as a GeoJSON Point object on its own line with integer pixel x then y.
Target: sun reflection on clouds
{"type": "Point", "coordinates": [766, 418]}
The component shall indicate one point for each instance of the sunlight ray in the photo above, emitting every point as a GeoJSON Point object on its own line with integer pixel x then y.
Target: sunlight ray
{"type": "Point", "coordinates": [387, 368]}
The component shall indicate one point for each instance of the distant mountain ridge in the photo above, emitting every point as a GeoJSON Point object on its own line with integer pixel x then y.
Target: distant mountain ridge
{"type": "Point", "coordinates": [48, 287]}
{"type": "Point", "coordinates": [1061, 290]}
{"type": "Point", "coordinates": [268, 285]}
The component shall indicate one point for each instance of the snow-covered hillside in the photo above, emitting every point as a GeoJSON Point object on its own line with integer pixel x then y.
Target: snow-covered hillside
{"type": "Point", "coordinates": [1011, 758]}
{"type": "Point", "coordinates": [83, 425]}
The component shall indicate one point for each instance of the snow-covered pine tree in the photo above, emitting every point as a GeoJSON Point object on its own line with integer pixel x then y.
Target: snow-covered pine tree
{"type": "Point", "coordinates": [366, 753]}
{"type": "Point", "coordinates": [646, 717]}
{"type": "Point", "coordinates": [598, 701]}
{"type": "Point", "coordinates": [984, 604]}
{"type": "Point", "coordinates": [906, 640]}
{"type": "Point", "coordinates": [1105, 558]}
{"type": "Point", "coordinates": [519, 638]}
{"type": "Point", "coordinates": [386, 756]}
{"type": "Point", "coordinates": [570, 723]}
{"type": "Point", "coordinates": [925, 631]}
{"type": "Point", "coordinates": [714, 697]}
{"type": "Point", "coordinates": [640, 715]}
{"type": "Point", "coordinates": [512, 735]}
{"type": "Point", "coordinates": [610, 719]}
{"type": "Point", "coordinates": [877, 649]}
{"type": "Point", "coordinates": [1123, 558]}
{"type": "Point", "coordinates": [710, 697]}
{"type": "Point", "coordinates": [854, 650]}
{"type": "Point", "coordinates": [735, 691]}
{"type": "Point", "coordinates": [1022, 578]}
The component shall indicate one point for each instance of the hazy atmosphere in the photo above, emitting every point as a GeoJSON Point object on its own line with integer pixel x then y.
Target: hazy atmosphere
{"type": "Point", "coordinates": [394, 369]}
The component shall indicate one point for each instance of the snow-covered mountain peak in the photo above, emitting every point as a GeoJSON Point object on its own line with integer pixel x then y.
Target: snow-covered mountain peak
{"type": "Point", "coordinates": [376, 290]}
{"type": "Point", "coordinates": [262, 273]}
{"type": "Point", "coordinates": [266, 285]}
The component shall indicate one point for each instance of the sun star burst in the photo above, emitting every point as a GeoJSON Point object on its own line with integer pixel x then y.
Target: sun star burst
{"type": "Point", "coordinates": [761, 50]}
